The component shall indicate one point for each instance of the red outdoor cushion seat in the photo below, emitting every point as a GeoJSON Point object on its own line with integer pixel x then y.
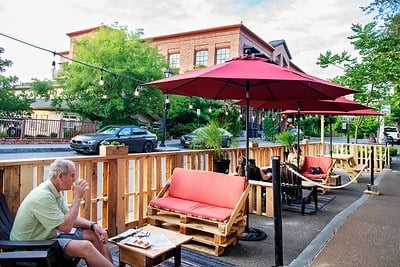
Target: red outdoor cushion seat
{"type": "Point", "coordinates": [192, 208]}
{"type": "Point", "coordinates": [324, 163]}
{"type": "Point", "coordinates": [203, 194]}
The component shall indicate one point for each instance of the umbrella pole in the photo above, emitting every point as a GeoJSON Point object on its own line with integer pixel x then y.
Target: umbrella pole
{"type": "Point", "coordinates": [250, 234]}
{"type": "Point", "coordinates": [298, 133]}
{"type": "Point", "coordinates": [330, 133]}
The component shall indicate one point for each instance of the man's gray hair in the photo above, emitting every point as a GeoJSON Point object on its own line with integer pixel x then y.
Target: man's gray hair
{"type": "Point", "coordinates": [60, 166]}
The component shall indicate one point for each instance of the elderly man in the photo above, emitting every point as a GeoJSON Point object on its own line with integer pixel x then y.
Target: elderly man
{"type": "Point", "coordinates": [43, 214]}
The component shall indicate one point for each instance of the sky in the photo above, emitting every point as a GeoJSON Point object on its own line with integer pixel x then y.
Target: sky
{"type": "Point", "coordinates": [309, 27]}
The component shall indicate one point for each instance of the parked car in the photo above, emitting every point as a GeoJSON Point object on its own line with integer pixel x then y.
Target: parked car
{"type": "Point", "coordinates": [293, 131]}
{"type": "Point", "coordinates": [226, 138]}
{"type": "Point", "coordinates": [136, 138]}
{"type": "Point", "coordinates": [393, 135]}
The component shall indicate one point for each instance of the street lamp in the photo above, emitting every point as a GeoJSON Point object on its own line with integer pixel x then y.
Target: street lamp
{"type": "Point", "coordinates": [168, 73]}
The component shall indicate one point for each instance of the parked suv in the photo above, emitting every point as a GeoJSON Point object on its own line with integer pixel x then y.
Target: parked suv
{"type": "Point", "coordinates": [393, 134]}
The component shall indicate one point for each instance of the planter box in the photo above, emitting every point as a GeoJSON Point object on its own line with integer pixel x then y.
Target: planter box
{"type": "Point", "coordinates": [253, 144]}
{"type": "Point", "coordinates": [113, 150]}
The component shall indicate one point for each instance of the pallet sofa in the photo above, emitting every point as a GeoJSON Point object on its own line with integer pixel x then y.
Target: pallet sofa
{"type": "Point", "coordinates": [326, 177]}
{"type": "Point", "coordinates": [209, 206]}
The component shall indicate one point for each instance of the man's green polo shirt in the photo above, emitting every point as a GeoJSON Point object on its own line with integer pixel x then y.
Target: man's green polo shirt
{"type": "Point", "coordinates": [39, 214]}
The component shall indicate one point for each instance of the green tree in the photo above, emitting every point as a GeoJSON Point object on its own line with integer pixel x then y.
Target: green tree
{"type": "Point", "coordinates": [125, 63]}
{"type": "Point", "coordinates": [11, 105]}
{"type": "Point", "coordinates": [183, 117]}
{"type": "Point", "coordinates": [375, 74]}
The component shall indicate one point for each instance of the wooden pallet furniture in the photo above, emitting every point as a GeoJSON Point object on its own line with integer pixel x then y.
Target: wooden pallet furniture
{"type": "Point", "coordinates": [326, 165]}
{"type": "Point", "coordinates": [206, 205]}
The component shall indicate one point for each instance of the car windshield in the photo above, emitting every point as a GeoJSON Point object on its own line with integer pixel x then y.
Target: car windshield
{"type": "Point", "coordinates": [109, 130]}
{"type": "Point", "coordinates": [390, 129]}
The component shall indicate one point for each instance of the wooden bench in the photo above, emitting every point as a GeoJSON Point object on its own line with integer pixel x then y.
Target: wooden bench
{"type": "Point", "coordinates": [208, 206]}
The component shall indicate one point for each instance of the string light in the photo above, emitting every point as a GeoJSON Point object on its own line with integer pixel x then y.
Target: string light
{"type": "Point", "coordinates": [209, 109]}
{"type": "Point", "coordinates": [166, 100]}
{"type": "Point", "coordinates": [190, 103]}
{"type": "Point", "coordinates": [137, 91]}
{"type": "Point", "coordinates": [73, 60]}
{"type": "Point", "coordinates": [53, 64]}
{"type": "Point", "coordinates": [101, 82]}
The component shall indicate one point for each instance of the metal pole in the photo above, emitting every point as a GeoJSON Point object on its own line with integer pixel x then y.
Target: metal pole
{"type": "Point", "coordinates": [348, 132]}
{"type": "Point", "coordinates": [162, 144]}
{"type": "Point", "coordinates": [372, 165]}
{"type": "Point", "coordinates": [276, 185]}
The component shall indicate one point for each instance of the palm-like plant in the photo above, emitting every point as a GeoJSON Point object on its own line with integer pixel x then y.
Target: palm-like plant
{"type": "Point", "coordinates": [286, 139]}
{"type": "Point", "coordinates": [210, 137]}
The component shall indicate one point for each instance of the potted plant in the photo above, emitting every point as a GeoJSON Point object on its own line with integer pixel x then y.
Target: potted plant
{"type": "Point", "coordinates": [286, 139]}
{"type": "Point", "coordinates": [113, 148]}
{"type": "Point", "coordinates": [211, 137]}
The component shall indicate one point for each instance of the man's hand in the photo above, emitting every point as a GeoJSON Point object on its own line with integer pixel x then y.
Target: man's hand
{"type": "Point", "coordinates": [80, 188]}
{"type": "Point", "coordinates": [101, 233]}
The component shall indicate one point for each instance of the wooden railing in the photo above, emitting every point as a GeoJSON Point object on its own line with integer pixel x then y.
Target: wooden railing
{"type": "Point", "coordinates": [122, 186]}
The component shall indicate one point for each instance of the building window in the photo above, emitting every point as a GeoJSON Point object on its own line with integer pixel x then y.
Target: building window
{"type": "Point", "coordinates": [174, 61]}
{"type": "Point", "coordinates": [222, 55]}
{"type": "Point", "coordinates": [201, 58]}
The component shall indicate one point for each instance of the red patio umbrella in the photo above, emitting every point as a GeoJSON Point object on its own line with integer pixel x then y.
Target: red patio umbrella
{"type": "Point", "coordinates": [340, 104]}
{"type": "Point", "coordinates": [359, 112]}
{"type": "Point", "coordinates": [250, 77]}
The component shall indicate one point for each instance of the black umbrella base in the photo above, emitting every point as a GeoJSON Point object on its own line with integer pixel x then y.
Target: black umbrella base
{"type": "Point", "coordinates": [252, 234]}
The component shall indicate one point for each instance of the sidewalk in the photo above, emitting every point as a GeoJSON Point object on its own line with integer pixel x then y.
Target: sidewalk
{"type": "Point", "coordinates": [369, 236]}
{"type": "Point", "coordinates": [31, 148]}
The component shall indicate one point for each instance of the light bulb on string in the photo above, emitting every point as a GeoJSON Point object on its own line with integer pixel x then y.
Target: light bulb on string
{"type": "Point", "coordinates": [209, 110]}
{"type": "Point", "coordinates": [137, 91]}
{"type": "Point", "coordinates": [101, 82]}
{"type": "Point", "coordinates": [53, 64]}
{"type": "Point", "coordinates": [190, 106]}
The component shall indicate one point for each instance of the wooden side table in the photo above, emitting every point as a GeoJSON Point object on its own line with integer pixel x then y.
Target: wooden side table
{"type": "Point", "coordinates": [136, 256]}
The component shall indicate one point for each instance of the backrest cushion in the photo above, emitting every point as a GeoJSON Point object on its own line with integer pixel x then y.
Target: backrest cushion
{"type": "Point", "coordinates": [314, 161]}
{"type": "Point", "coordinates": [212, 188]}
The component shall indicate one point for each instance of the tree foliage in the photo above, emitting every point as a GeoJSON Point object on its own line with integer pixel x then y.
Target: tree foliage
{"type": "Point", "coordinates": [125, 63]}
{"type": "Point", "coordinates": [375, 72]}
{"type": "Point", "coordinates": [183, 119]}
{"type": "Point", "coordinates": [11, 104]}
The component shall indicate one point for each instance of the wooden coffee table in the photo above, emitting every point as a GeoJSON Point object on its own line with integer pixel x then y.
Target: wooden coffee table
{"type": "Point", "coordinates": [137, 256]}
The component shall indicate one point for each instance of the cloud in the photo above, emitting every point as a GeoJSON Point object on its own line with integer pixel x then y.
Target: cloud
{"type": "Point", "coordinates": [309, 27]}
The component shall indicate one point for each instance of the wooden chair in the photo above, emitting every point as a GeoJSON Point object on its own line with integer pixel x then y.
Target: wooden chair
{"type": "Point", "coordinates": [292, 189]}
{"type": "Point", "coordinates": [27, 253]}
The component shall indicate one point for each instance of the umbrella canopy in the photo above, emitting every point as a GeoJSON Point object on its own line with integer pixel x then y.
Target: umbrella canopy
{"type": "Point", "coordinates": [250, 77]}
{"type": "Point", "coordinates": [258, 76]}
{"type": "Point", "coordinates": [340, 104]}
{"type": "Point", "coordinates": [358, 112]}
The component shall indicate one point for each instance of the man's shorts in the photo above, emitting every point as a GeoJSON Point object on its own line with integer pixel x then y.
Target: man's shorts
{"type": "Point", "coordinates": [64, 238]}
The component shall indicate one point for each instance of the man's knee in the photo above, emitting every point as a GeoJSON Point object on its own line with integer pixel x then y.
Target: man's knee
{"type": "Point", "coordinates": [79, 248]}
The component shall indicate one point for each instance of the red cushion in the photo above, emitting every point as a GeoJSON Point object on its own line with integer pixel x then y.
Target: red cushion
{"type": "Point", "coordinates": [210, 188]}
{"type": "Point", "coordinates": [192, 208]}
{"type": "Point", "coordinates": [324, 163]}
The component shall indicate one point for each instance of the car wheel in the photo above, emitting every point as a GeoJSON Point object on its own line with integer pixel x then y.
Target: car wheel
{"type": "Point", "coordinates": [228, 143]}
{"type": "Point", "coordinates": [148, 147]}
